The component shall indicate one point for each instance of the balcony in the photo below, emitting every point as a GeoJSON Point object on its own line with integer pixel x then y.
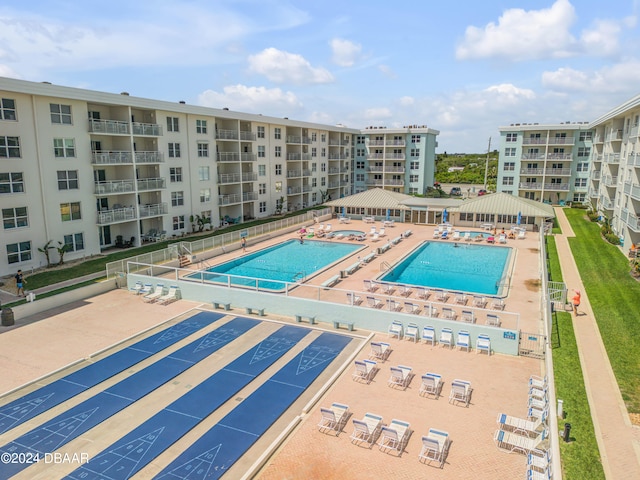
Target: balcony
{"type": "Point", "coordinates": [593, 193]}
{"type": "Point", "coordinates": [531, 171]}
{"type": "Point", "coordinates": [247, 135]}
{"type": "Point", "coordinates": [229, 199]}
{"type": "Point", "coordinates": [334, 171]}
{"type": "Point", "coordinates": [612, 158]}
{"type": "Point", "coordinates": [633, 159]}
{"type": "Point", "coordinates": [249, 196]}
{"type": "Point", "coordinates": [633, 190]}
{"type": "Point", "coordinates": [630, 219]}
{"type": "Point", "coordinates": [530, 186]}
{"type": "Point", "coordinates": [382, 182]}
{"type": "Point", "coordinates": [532, 156]}
{"type": "Point", "coordinates": [333, 142]}
{"type": "Point", "coordinates": [338, 156]}
{"type": "Point", "coordinates": [610, 181]}
{"type": "Point", "coordinates": [293, 139]}
{"type": "Point", "coordinates": [561, 140]}
{"type": "Point", "coordinates": [558, 156]}
{"type": "Point", "coordinates": [116, 215]}
{"type": "Point", "coordinates": [334, 184]}
{"type": "Point", "coordinates": [556, 186]}
{"type": "Point", "coordinates": [228, 157]}
{"type": "Point", "coordinates": [395, 143]}
{"type": "Point", "coordinates": [306, 188]}
{"type": "Point", "coordinates": [114, 187]}
{"type": "Point", "coordinates": [151, 129]}
{"type": "Point", "coordinates": [534, 141]}
{"type": "Point", "coordinates": [598, 158]}
{"type": "Point", "coordinates": [102, 157]}
{"type": "Point", "coordinates": [376, 143]}
{"type": "Point", "coordinates": [595, 175]}
{"type": "Point", "coordinates": [227, 135]}
{"type": "Point", "coordinates": [149, 157]}
{"type": "Point", "coordinates": [294, 190]}
{"type": "Point", "coordinates": [604, 202]}
{"type": "Point", "coordinates": [299, 156]}
{"type": "Point", "coordinates": [614, 136]}
{"type": "Point", "coordinates": [109, 127]}
{"type": "Point", "coordinates": [294, 173]}
{"type": "Point", "coordinates": [248, 157]}
{"type": "Point", "coordinates": [151, 184]}
{"type": "Point", "coordinates": [557, 171]}
{"type": "Point", "coordinates": [153, 210]}
{"type": "Point", "coordinates": [226, 178]}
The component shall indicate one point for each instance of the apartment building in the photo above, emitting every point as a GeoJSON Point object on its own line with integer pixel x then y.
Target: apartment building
{"type": "Point", "coordinates": [614, 188]}
{"type": "Point", "coordinates": [397, 159]}
{"type": "Point", "coordinates": [91, 170]}
{"type": "Point", "coordinates": [547, 163]}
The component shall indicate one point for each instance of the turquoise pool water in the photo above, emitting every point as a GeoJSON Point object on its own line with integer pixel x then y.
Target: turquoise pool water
{"type": "Point", "coordinates": [466, 267]}
{"type": "Point", "coordinates": [289, 261]}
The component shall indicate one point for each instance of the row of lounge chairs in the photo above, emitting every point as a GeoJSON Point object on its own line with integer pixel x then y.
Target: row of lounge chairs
{"type": "Point", "coordinates": [158, 294]}
{"type": "Point", "coordinates": [446, 337]}
{"type": "Point", "coordinates": [371, 430]}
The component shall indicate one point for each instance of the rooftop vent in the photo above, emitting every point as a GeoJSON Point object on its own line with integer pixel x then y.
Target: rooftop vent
{"type": "Point", "coordinates": [48, 83]}
{"type": "Point", "coordinates": [182, 102]}
{"type": "Point", "coordinates": [124, 93]}
{"type": "Point", "coordinates": [226, 108]}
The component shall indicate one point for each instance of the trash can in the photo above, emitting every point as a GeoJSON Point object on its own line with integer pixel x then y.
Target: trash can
{"type": "Point", "coordinates": [7, 317]}
{"type": "Point", "coordinates": [567, 432]}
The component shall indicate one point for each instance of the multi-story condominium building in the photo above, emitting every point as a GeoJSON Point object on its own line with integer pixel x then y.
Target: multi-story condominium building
{"type": "Point", "coordinates": [90, 170]}
{"type": "Point", "coordinates": [397, 159]}
{"type": "Point", "coordinates": [615, 173]}
{"type": "Point", "coordinates": [547, 163]}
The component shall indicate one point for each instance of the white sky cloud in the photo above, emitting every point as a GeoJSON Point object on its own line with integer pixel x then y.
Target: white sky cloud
{"type": "Point", "coordinates": [345, 52]}
{"type": "Point", "coordinates": [620, 77]}
{"type": "Point", "coordinates": [377, 113]}
{"type": "Point", "coordinates": [251, 99]}
{"type": "Point", "coordinates": [284, 67]}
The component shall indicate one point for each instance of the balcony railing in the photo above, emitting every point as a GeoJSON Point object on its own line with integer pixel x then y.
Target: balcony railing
{"type": "Point", "coordinates": [633, 190]}
{"type": "Point", "coordinates": [593, 193]}
{"type": "Point", "coordinates": [382, 182]}
{"type": "Point", "coordinates": [556, 186]}
{"type": "Point", "coordinates": [249, 196]}
{"type": "Point", "coordinates": [248, 157]}
{"type": "Point", "coordinates": [595, 175]}
{"type": "Point", "coordinates": [247, 135]}
{"type": "Point", "coordinates": [557, 171]}
{"type": "Point", "coordinates": [533, 156]}
{"type": "Point", "coordinates": [630, 219]}
{"type": "Point", "coordinates": [227, 135]}
{"type": "Point", "coordinates": [228, 199]}
{"type": "Point", "coordinates": [558, 156]}
{"type": "Point", "coordinates": [306, 188]}
{"type": "Point", "coordinates": [530, 186]}
{"type": "Point", "coordinates": [124, 214]}
{"type": "Point", "coordinates": [149, 157]}
{"type": "Point", "coordinates": [151, 183]}
{"type": "Point", "coordinates": [334, 171]}
{"type": "Point", "coordinates": [531, 171]}
{"type": "Point", "coordinates": [333, 185]}
{"type": "Point", "coordinates": [376, 143]}
{"type": "Point", "coordinates": [228, 157]}
{"type": "Point", "coordinates": [115, 127]}
{"type": "Point", "coordinates": [146, 129]}
{"type": "Point", "coordinates": [299, 156]}
{"type": "Point", "coordinates": [294, 190]}
{"type": "Point", "coordinates": [612, 158]}
{"type": "Point", "coordinates": [114, 186]}
{"type": "Point", "coordinates": [294, 173]}
{"type": "Point", "coordinates": [605, 202]}
{"type": "Point", "coordinates": [614, 136]}
{"type": "Point", "coordinates": [153, 210]}
{"type": "Point", "coordinates": [338, 156]}
{"type": "Point", "coordinates": [561, 140]}
{"type": "Point", "coordinates": [102, 157]}
{"type": "Point", "coordinates": [610, 181]}
{"type": "Point", "coordinates": [534, 141]}
{"type": "Point", "coordinates": [225, 178]}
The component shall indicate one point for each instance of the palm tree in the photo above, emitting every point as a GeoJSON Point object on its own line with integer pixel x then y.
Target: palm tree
{"type": "Point", "coordinates": [45, 250]}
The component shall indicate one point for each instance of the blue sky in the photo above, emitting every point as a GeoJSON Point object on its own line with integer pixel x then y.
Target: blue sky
{"type": "Point", "coordinates": [463, 69]}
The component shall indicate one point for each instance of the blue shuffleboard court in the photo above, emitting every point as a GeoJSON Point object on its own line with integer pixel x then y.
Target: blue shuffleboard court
{"type": "Point", "coordinates": [218, 449]}
{"type": "Point", "coordinates": [25, 408]}
{"type": "Point", "coordinates": [139, 447]}
{"type": "Point", "coordinates": [83, 417]}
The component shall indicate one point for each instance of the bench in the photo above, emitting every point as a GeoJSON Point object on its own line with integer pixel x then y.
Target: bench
{"type": "Point", "coordinates": [396, 240]}
{"type": "Point", "coordinates": [384, 248]}
{"type": "Point", "coordinates": [258, 311]}
{"type": "Point", "coordinates": [369, 257]}
{"type": "Point", "coordinates": [218, 305]}
{"type": "Point", "coordinates": [310, 319]}
{"type": "Point", "coordinates": [330, 282]}
{"type": "Point", "coordinates": [353, 268]}
{"type": "Point", "coordinates": [337, 323]}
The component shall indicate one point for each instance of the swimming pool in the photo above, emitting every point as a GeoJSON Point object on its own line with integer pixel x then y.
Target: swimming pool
{"type": "Point", "coordinates": [465, 267]}
{"type": "Point", "coordinates": [346, 233]}
{"type": "Point", "coordinates": [290, 261]}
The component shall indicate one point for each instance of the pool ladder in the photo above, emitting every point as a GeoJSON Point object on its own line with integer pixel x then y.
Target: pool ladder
{"type": "Point", "coordinates": [300, 276]}
{"type": "Point", "coordinates": [384, 266]}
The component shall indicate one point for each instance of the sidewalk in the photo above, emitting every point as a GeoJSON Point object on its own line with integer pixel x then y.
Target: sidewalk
{"type": "Point", "coordinates": [618, 440]}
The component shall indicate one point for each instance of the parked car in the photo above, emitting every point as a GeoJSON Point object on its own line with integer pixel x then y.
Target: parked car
{"type": "Point", "coordinates": [482, 192]}
{"type": "Point", "coordinates": [456, 191]}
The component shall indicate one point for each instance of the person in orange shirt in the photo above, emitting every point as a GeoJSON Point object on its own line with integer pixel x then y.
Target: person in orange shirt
{"type": "Point", "coordinates": [576, 301]}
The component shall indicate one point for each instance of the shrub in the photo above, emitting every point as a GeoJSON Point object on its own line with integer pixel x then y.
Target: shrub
{"type": "Point", "coordinates": [593, 216]}
{"type": "Point", "coordinates": [612, 238]}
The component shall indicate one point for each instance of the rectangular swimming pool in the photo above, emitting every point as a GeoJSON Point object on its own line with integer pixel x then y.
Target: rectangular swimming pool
{"type": "Point", "coordinates": [451, 266]}
{"type": "Point", "coordinates": [275, 266]}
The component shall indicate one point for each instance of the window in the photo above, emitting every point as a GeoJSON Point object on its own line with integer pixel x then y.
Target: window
{"type": "Point", "coordinates": [19, 252]}
{"type": "Point", "coordinates": [584, 151]}
{"type": "Point", "coordinates": [584, 136]}
{"type": "Point", "coordinates": [416, 138]}
{"type": "Point", "coordinates": [201, 126]}
{"type": "Point", "coordinates": [7, 109]}
{"type": "Point", "coordinates": [314, 137]}
{"type": "Point", "coordinates": [177, 199]}
{"type": "Point", "coordinates": [206, 214]}
{"type": "Point", "coordinates": [64, 147]}
{"type": "Point", "coordinates": [359, 177]}
{"type": "Point", "coordinates": [278, 168]}
{"type": "Point", "coordinates": [14, 218]}
{"type": "Point", "coordinates": [323, 167]}
{"type": "Point", "coordinates": [178, 222]}
{"type": "Point", "coordinates": [74, 242]}
{"type": "Point", "coordinates": [203, 149]}
{"type": "Point", "coordinates": [360, 152]}
{"type": "Point", "coordinates": [203, 174]}
{"type": "Point", "coordinates": [262, 170]}
{"type": "Point", "coordinates": [10, 147]}
{"type": "Point", "coordinates": [561, 135]}
{"type": "Point", "coordinates": [60, 113]}
{"type": "Point", "coordinates": [11, 182]}
{"type": "Point", "coordinates": [314, 167]}
{"type": "Point", "coordinates": [414, 165]}
{"type": "Point", "coordinates": [579, 197]}
{"type": "Point", "coordinates": [70, 211]}
{"type": "Point", "coordinates": [205, 195]}
{"type": "Point", "coordinates": [172, 124]}
{"type": "Point", "coordinates": [261, 151]}
{"type": "Point", "coordinates": [323, 137]}
{"type": "Point", "coordinates": [314, 152]}
{"type": "Point", "coordinates": [512, 137]}
{"type": "Point", "coordinates": [509, 152]}
{"type": "Point", "coordinates": [260, 132]}
{"type": "Point", "coordinates": [507, 180]}
{"type": "Point", "coordinates": [262, 188]}
{"type": "Point", "coordinates": [314, 182]}
{"type": "Point", "coordinates": [582, 167]}
{"type": "Point", "coordinates": [580, 182]}
{"type": "Point", "coordinates": [323, 181]}
{"type": "Point", "coordinates": [277, 133]}
{"type": "Point", "coordinates": [323, 152]}
{"type": "Point", "coordinates": [175, 174]}
{"type": "Point", "coordinates": [413, 190]}
{"type": "Point", "coordinates": [174, 150]}
{"type": "Point", "coordinates": [67, 179]}
{"type": "Point", "coordinates": [360, 139]}
{"type": "Point", "coordinates": [509, 166]}
{"type": "Point", "coordinates": [360, 164]}
{"type": "Point", "coordinates": [262, 207]}
{"type": "Point", "coordinates": [415, 152]}
{"type": "Point", "coordinates": [314, 197]}
{"type": "Point", "coordinates": [414, 178]}
{"type": "Point", "coordinates": [278, 186]}
{"type": "Point", "coordinates": [278, 152]}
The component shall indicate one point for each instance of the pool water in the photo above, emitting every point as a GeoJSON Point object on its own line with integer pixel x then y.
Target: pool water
{"type": "Point", "coordinates": [466, 267]}
{"type": "Point", "coordinates": [290, 261]}
{"type": "Point", "coordinates": [346, 233]}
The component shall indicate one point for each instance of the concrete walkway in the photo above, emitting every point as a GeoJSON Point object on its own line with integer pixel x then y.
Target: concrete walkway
{"type": "Point", "coordinates": [618, 440]}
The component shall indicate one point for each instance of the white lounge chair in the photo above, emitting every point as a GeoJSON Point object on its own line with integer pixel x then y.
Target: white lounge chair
{"type": "Point", "coordinates": [493, 320]}
{"type": "Point", "coordinates": [521, 234]}
{"type": "Point", "coordinates": [429, 334]}
{"type": "Point", "coordinates": [353, 299]}
{"type": "Point", "coordinates": [539, 462]}
{"type": "Point", "coordinates": [540, 393]}
{"type": "Point", "coordinates": [502, 238]}
{"type": "Point", "coordinates": [479, 302]}
{"type": "Point", "coordinates": [468, 316]}
{"type": "Point", "coordinates": [380, 350]}
{"type": "Point", "coordinates": [534, 474]}
{"type": "Point", "coordinates": [412, 331]}
{"type": "Point", "coordinates": [375, 237]}
{"type": "Point", "coordinates": [146, 288]}
{"type": "Point", "coordinates": [327, 228]}
{"type": "Point", "coordinates": [540, 404]}
{"type": "Point", "coordinates": [395, 436]}
{"type": "Point", "coordinates": [497, 303]}
{"type": "Point", "coordinates": [435, 446]}
{"type": "Point", "coordinates": [423, 293]}
{"type": "Point", "coordinates": [448, 313]}
{"type": "Point", "coordinates": [430, 310]}
{"type": "Point", "coordinates": [464, 340]}
{"type": "Point", "coordinates": [372, 232]}
{"type": "Point", "coordinates": [483, 344]}
{"type": "Point", "coordinates": [136, 288]}
{"type": "Point", "coordinates": [400, 376]}
{"type": "Point", "coordinates": [404, 290]}
{"type": "Point", "coordinates": [370, 286]}
{"type": "Point", "coordinates": [365, 370]}
{"type": "Point", "coordinates": [461, 298]}
{"type": "Point", "coordinates": [460, 392]}
{"type": "Point", "coordinates": [171, 296]}
{"type": "Point", "coordinates": [456, 235]}
{"type": "Point", "coordinates": [367, 429]}
{"type": "Point", "coordinates": [467, 236]}
{"type": "Point", "coordinates": [538, 382]}
{"type": "Point", "coordinates": [374, 302]}
{"type": "Point", "coordinates": [387, 288]}
{"type": "Point", "coordinates": [394, 306]}
{"type": "Point", "coordinates": [437, 233]}
{"type": "Point", "coordinates": [446, 337]}
{"type": "Point", "coordinates": [381, 233]}
{"type": "Point", "coordinates": [441, 296]}
{"type": "Point", "coordinates": [512, 442]}
{"type": "Point", "coordinates": [411, 308]}
{"type": "Point", "coordinates": [333, 418]}
{"type": "Point", "coordinates": [522, 426]}
{"type": "Point", "coordinates": [431, 385]}
{"type": "Point", "coordinates": [155, 295]}
{"type": "Point", "coordinates": [395, 329]}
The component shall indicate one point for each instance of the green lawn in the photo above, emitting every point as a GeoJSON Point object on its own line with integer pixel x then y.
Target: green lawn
{"type": "Point", "coordinates": [615, 298]}
{"type": "Point", "coordinates": [580, 457]}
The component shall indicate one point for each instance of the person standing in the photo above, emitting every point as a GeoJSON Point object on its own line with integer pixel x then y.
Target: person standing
{"type": "Point", "coordinates": [20, 282]}
{"type": "Point", "coordinates": [576, 302]}
{"type": "Point", "coordinates": [243, 242]}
